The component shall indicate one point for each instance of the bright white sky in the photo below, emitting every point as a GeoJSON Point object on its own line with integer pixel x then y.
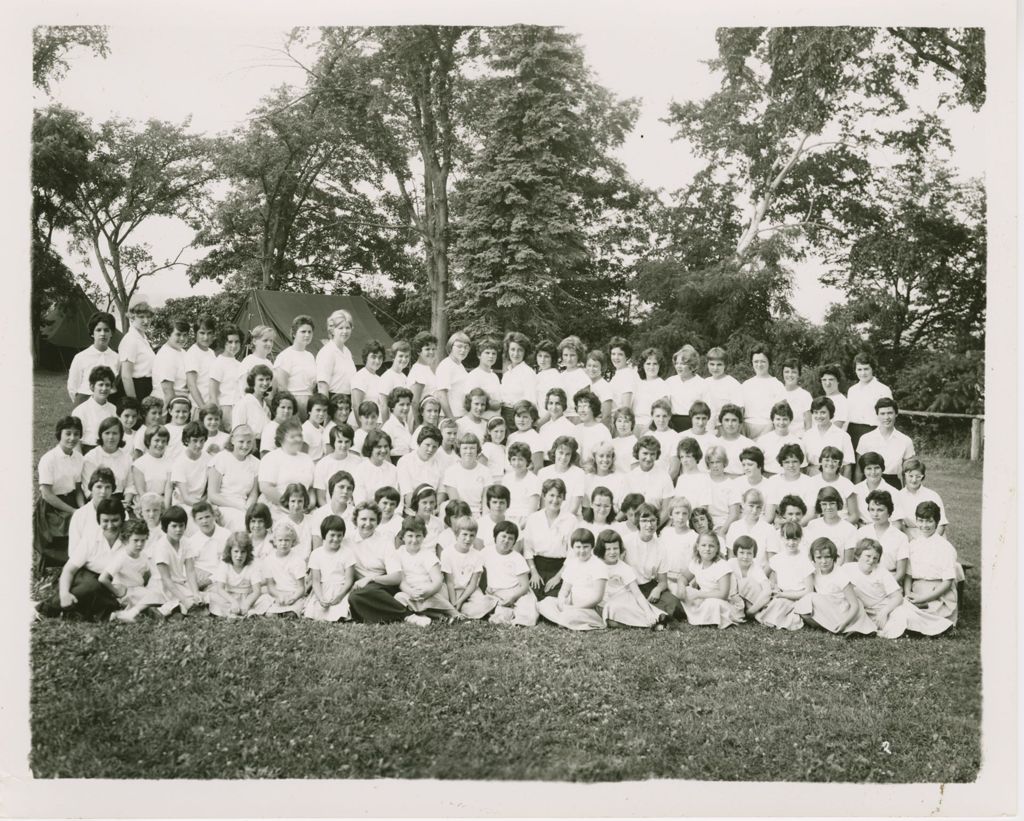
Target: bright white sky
{"type": "Point", "coordinates": [216, 76]}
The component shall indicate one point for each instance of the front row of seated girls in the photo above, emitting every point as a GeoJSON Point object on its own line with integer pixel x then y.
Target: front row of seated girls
{"type": "Point", "coordinates": [344, 563]}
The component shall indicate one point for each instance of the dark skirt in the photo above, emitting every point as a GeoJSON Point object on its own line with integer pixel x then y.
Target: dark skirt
{"type": "Point", "coordinates": [94, 600]}
{"type": "Point", "coordinates": [680, 422]}
{"type": "Point", "coordinates": [50, 533]}
{"type": "Point", "coordinates": [143, 386]}
{"type": "Point", "coordinates": [857, 430]}
{"type": "Point", "coordinates": [376, 604]}
{"type": "Point", "coordinates": [667, 602]}
{"type": "Point", "coordinates": [547, 569]}
{"type": "Point", "coordinates": [893, 479]}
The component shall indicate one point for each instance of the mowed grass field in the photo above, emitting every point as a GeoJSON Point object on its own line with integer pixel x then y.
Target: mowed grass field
{"type": "Point", "coordinates": [202, 698]}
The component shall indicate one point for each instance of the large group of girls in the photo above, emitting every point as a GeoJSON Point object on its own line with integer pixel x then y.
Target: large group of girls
{"type": "Point", "coordinates": [573, 486]}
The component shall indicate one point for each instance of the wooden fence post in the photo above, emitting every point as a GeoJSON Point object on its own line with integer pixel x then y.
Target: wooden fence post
{"type": "Point", "coordinates": [975, 439]}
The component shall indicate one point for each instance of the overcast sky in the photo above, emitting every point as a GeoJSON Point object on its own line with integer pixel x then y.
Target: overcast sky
{"type": "Point", "coordinates": [216, 76]}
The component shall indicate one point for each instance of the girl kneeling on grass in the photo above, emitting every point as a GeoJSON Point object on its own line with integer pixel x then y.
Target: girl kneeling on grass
{"type": "Point", "coordinates": [709, 596]}
{"type": "Point", "coordinates": [236, 582]}
{"type": "Point", "coordinates": [833, 605]}
{"type": "Point", "coordinates": [623, 604]}
{"type": "Point", "coordinates": [584, 578]}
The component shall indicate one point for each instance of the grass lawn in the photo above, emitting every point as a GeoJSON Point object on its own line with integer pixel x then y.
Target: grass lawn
{"type": "Point", "coordinates": [201, 698]}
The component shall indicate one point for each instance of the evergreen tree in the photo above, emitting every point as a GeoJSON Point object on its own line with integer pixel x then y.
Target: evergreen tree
{"type": "Point", "coordinates": [543, 192]}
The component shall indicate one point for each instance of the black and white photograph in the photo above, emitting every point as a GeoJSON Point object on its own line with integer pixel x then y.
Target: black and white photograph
{"type": "Point", "coordinates": [591, 400]}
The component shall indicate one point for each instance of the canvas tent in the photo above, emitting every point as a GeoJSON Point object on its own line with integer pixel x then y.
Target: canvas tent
{"type": "Point", "coordinates": [65, 332]}
{"type": "Point", "coordinates": [278, 308]}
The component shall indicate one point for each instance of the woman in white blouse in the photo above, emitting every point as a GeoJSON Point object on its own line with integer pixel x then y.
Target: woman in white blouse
{"type": "Point", "coordinates": [136, 354]}
{"type": "Point", "coordinates": [760, 393]}
{"type": "Point", "coordinates": [334, 364]}
{"type": "Point", "coordinates": [169, 364]}
{"type": "Point", "coordinates": [421, 374]}
{"type": "Point", "coordinates": [451, 374]}
{"type": "Point", "coordinates": [518, 380]}
{"type": "Point", "coordinates": [295, 367]}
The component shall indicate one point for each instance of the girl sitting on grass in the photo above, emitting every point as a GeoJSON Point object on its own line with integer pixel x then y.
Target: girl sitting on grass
{"type": "Point", "coordinates": [623, 604]}
{"type": "Point", "coordinates": [833, 606]}
{"type": "Point", "coordinates": [584, 580]}
{"type": "Point", "coordinates": [462, 566]}
{"type": "Point", "coordinates": [508, 579]}
{"type": "Point", "coordinates": [128, 572]}
{"type": "Point", "coordinates": [421, 588]}
{"type": "Point", "coordinates": [708, 597]}
{"type": "Point", "coordinates": [236, 582]}
{"type": "Point", "coordinates": [174, 582]}
{"type": "Point", "coordinates": [930, 583]}
{"type": "Point", "coordinates": [546, 538]}
{"type": "Point", "coordinates": [882, 597]}
{"type": "Point", "coordinates": [284, 575]}
{"type": "Point", "coordinates": [332, 573]}
{"type": "Point", "coordinates": [752, 584]}
{"type": "Point", "coordinates": [791, 577]}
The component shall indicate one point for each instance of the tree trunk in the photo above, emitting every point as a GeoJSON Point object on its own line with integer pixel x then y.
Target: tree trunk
{"type": "Point", "coordinates": [438, 274]}
{"type": "Point", "coordinates": [435, 204]}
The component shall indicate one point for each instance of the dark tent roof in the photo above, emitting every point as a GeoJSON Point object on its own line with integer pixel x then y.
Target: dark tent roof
{"type": "Point", "coordinates": [68, 327]}
{"type": "Point", "coordinates": [65, 332]}
{"type": "Point", "coordinates": [278, 308]}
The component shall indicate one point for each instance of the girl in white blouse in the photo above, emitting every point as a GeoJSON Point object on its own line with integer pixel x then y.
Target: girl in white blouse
{"type": "Point", "coordinates": [295, 367]}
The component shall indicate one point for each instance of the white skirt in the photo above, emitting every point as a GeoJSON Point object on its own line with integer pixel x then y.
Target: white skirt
{"type": "Point", "coordinates": [335, 612]}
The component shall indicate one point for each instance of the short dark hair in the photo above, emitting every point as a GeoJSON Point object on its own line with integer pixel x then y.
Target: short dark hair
{"type": "Point", "coordinates": [332, 522]}
{"type": "Point", "coordinates": [174, 515]}
{"type": "Point", "coordinates": [67, 423]}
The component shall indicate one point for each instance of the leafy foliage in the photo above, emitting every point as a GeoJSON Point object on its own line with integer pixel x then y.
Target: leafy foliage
{"type": "Point", "coordinates": [222, 307]}
{"type": "Point", "coordinates": [915, 269]}
{"type": "Point", "coordinates": [944, 382]}
{"type": "Point", "coordinates": [52, 44]}
{"type": "Point", "coordinates": [297, 215]}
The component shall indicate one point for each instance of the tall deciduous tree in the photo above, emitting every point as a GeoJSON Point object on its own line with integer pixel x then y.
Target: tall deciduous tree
{"type": "Point", "coordinates": [404, 91]}
{"type": "Point", "coordinates": [126, 174]}
{"type": "Point", "coordinates": [800, 109]}
{"type": "Point", "coordinates": [542, 190]}
{"type": "Point", "coordinates": [299, 214]}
